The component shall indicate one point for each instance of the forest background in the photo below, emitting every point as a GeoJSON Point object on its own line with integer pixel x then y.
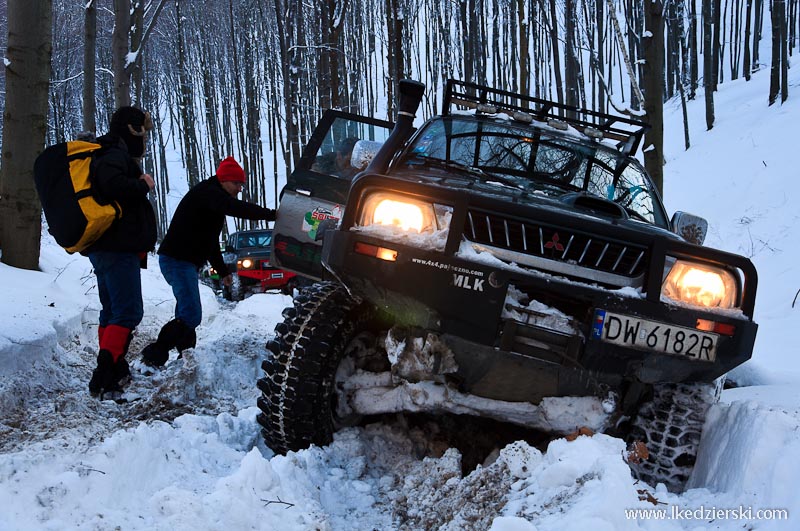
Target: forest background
{"type": "Point", "coordinates": [250, 78]}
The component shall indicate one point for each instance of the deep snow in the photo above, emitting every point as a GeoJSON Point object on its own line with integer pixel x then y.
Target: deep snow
{"type": "Point", "coordinates": [186, 453]}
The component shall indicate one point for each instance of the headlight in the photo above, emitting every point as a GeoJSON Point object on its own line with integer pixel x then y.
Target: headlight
{"type": "Point", "coordinates": [702, 285]}
{"type": "Point", "coordinates": [246, 263]}
{"type": "Point", "coordinates": [404, 213]}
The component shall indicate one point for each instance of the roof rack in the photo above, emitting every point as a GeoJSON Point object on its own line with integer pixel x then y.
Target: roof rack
{"type": "Point", "coordinates": [626, 131]}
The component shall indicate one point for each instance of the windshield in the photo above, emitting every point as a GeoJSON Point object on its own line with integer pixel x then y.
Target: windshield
{"type": "Point", "coordinates": [254, 239]}
{"type": "Point", "coordinates": [536, 160]}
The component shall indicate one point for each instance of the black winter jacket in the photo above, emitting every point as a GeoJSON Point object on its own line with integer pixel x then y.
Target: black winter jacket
{"type": "Point", "coordinates": [193, 234]}
{"type": "Point", "coordinates": [116, 178]}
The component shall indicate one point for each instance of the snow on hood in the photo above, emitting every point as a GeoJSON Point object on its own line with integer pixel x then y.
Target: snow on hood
{"type": "Point", "coordinates": [434, 240]}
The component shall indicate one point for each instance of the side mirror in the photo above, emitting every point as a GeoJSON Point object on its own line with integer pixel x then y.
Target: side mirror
{"type": "Point", "coordinates": [229, 249]}
{"type": "Point", "coordinates": [363, 153]}
{"type": "Point", "coordinates": [691, 228]}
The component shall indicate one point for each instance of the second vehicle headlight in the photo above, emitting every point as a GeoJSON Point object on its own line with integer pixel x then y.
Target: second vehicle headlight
{"type": "Point", "coordinates": [403, 212]}
{"type": "Point", "coordinates": [702, 285]}
{"type": "Point", "coordinates": [245, 264]}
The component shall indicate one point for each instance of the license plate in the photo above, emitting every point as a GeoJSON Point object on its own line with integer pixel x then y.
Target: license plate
{"type": "Point", "coordinates": [276, 275]}
{"type": "Point", "coordinates": [643, 334]}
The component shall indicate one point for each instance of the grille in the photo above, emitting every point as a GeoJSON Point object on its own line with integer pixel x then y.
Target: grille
{"type": "Point", "coordinates": [554, 243]}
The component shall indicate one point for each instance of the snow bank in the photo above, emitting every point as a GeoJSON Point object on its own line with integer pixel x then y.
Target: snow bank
{"type": "Point", "coordinates": [750, 448]}
{"type": "Point", "coordinates": [583, 484]}
{"type": "Point", "coordinates": [43, 315]}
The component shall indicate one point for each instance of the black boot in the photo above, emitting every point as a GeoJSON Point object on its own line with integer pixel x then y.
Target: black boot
{"type": "Point", "coordinates": [105, 381]}
{"type": "Point", "coordinates": [187, 338]}
{"type": "Point", "coordinates": [122, 372]}
{"type": "Point", "coordinates": [156, 354]}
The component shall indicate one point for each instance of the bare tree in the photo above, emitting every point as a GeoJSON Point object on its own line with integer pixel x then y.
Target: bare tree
{"type": "Point", "coordinates": [709, 74]}
{"type": "Point", "coordinates": [693, 50]}
{"type": "Point", "coordinates": [571, 65]}
{"type": "Point", "coordinates": [186, 108]}
{"type": "Point", "coordinates": [127, 44]}
{"type": "Point", "coordinates": [778, 83]}
{"type": "Point", "coordinates": [556, 53]}
{"type": "Point", "coordinates": [747, 22]}
{"type": "Point", "coordinates": [89, 56]}
{"type": "Point", "coordinates": [394, 50]}
{"type": "Point", "coordinates": [285, 13]}
{"type": "Point", "coordinates": [758, 23]}
{"type": "Point", "coordinates": [27, 86]}
{"type": "Point", "coordinates": [653, 81]}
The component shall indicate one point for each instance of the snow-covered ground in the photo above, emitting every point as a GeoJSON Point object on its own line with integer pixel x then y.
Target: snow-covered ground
{"type": "Point", "coordinates": [186, 453]}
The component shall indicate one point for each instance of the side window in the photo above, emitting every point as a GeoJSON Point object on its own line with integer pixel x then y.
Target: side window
{"type": "Point", "coordinates": [633, 192]}
{"type": "Point", "coordinates": [334, 156]}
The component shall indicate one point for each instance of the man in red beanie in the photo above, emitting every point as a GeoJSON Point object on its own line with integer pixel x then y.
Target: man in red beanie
{"type": "Point", "coordinates": [120, 252]}
{"type": "Point", "coordinates": [191, 240]}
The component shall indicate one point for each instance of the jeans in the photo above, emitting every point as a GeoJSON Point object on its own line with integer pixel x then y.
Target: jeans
{"type": "Point", "coordinates": [182, 277]}
{"type": "Point", "coordinates": [119, 284]}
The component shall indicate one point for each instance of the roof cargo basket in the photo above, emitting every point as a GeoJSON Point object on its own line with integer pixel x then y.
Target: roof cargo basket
{"type": "Point", "coordinates": [626, 131]}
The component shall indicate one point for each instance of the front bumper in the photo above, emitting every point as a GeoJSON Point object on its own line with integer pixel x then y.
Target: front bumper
{"type": "Point", "coordinates": [463, 301]}
{"type": "Point", "coordinates": [266, 278]}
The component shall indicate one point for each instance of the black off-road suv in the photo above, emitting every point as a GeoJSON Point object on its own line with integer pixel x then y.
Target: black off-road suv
{"type": "Point", "coordinates": [511, 259]}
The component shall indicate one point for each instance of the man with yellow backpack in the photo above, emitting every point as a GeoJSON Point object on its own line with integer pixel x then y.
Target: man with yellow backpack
{"type": "Point", "coordinates": [121, 251]}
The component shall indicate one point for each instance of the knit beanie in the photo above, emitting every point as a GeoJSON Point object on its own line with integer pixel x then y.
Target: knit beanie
{"type": "Point", "coordinates": [130, 124]}
{"type": "Point", "coordinates": [229, 170]}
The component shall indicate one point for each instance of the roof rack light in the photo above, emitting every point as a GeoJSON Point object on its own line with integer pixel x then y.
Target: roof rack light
{"type": "Point", "coordinates": [591, 132]}
{"type": "Point", "coordinates": [523, 117]}
{"type": "Point", "coordinates": [557, 124]}
{"type": "Point", "coordinates": [628, 132]}
{"type": "Point", "coordinates": [464, 103]}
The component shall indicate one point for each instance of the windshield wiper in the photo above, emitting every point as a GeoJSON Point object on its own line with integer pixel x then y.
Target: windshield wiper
{"type": "Point", "coordinates": [634, 213]}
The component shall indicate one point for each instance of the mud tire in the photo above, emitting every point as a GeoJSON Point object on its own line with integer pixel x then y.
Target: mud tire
{"type": "Point", "coordinates": [670, 425]}
{"type": "Point", "coordinates": [297, 387]}
{"type": "Point", "coordinates": [235, 291]}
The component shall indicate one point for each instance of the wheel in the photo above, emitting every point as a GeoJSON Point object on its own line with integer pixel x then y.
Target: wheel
{"type": "Point", "coordinates": [296, 400]}
{"type": "Point", "coordinates": [670, 425]}
{"type": "Point", "coordinates": [234, 292]}
{"type": "Point", "coordinates": [237, 292]}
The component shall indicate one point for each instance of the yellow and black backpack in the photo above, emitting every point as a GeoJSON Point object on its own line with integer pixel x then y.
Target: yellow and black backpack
{"type": "Point", "coordinates": [76, 216]}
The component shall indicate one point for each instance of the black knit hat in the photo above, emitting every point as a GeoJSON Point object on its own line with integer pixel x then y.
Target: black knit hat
{"type": "Point", "coordinates": [131, 124]}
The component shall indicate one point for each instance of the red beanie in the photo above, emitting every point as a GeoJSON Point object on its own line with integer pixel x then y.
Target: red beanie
{"type": "Point", "coordinates": [229, 170]}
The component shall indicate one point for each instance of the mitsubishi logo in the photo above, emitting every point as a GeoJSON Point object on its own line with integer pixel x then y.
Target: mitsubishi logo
{"type": "Point", "coordinates": [554, 244]}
